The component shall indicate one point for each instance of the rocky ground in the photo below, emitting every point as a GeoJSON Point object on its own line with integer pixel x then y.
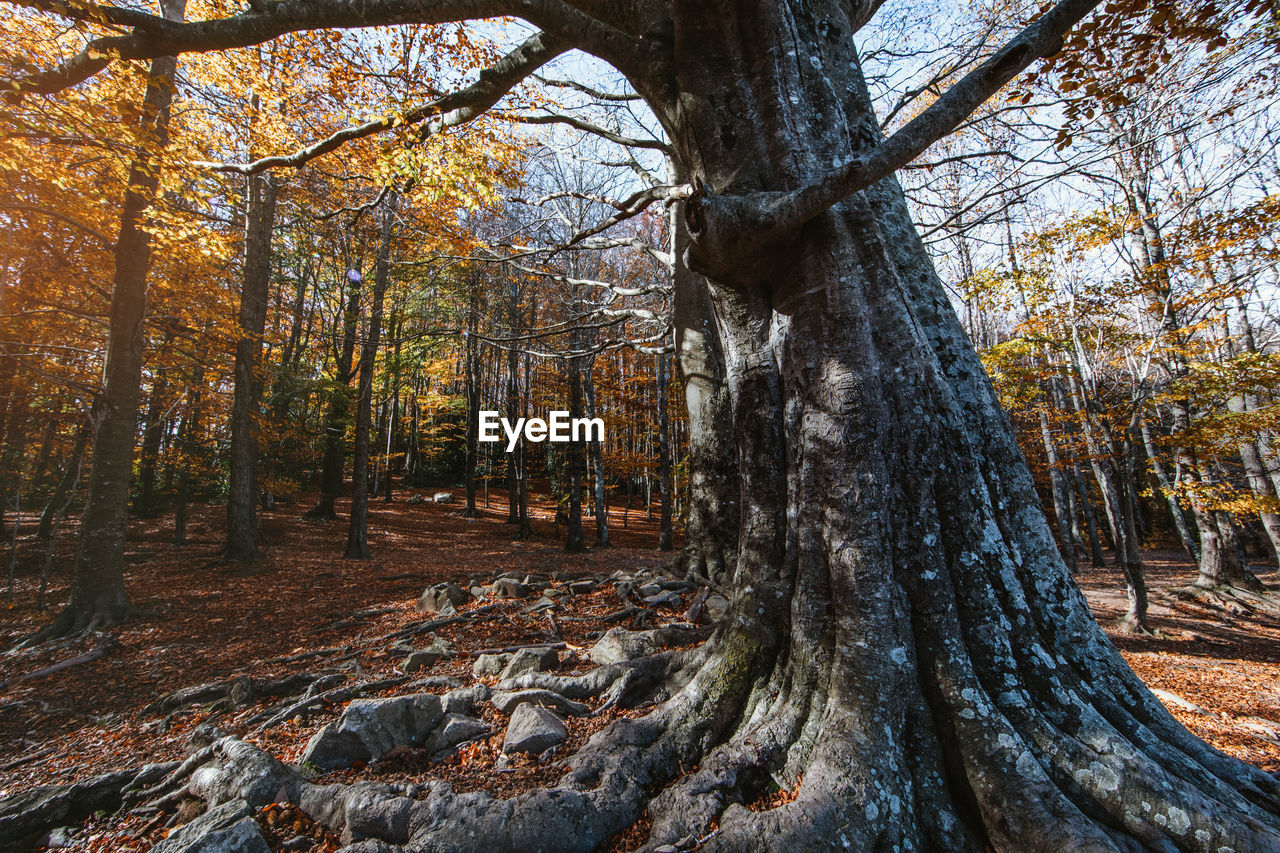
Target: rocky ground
{"type": "Point", "coordinates": [315, 677]}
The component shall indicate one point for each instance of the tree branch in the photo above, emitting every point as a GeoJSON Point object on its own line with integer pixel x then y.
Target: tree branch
{"type": "Point", "coordinates": [771, 216]}
{"type": "Point", "coordinates": [588, 127]}
{"type": "Point", "coordinates": [445, 112]}
{"type": "Point", "coordinates": [153, 36]}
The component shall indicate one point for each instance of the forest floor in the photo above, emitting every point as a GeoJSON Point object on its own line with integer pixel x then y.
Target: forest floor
{"type": "Point", "coordinates": [306, 610]}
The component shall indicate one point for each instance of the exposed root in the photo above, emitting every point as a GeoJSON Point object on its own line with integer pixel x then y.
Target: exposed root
{"type": "Point", "coordinates": [106, 643]}
{"type": "Point", "coordinates": [625, 683]}
{"type": "Point", "coordinates": [24, 817]}
{"type": "Point", "coordinates": [1232, 600]}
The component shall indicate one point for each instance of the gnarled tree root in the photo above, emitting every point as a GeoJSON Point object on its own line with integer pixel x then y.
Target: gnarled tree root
{"type": "Point", "coordinates": [1233, 600]}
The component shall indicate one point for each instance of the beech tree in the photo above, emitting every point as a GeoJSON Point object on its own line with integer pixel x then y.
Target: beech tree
{"type": "Point", "coordinates": [905, 650]}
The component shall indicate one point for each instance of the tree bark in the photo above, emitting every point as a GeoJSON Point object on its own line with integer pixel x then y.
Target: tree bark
{"type": "Point", "coordinates": [242, 494]}
{"type": "Point", "coordinates": [358, 530]}
{"type": "Point", "coordinates": [98, 596]}
{"type": "Point", "coordinates": [711, 524]}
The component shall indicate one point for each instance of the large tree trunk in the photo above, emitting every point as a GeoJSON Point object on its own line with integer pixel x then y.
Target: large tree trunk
{"type": "Point", "coordinates": [98, 596]}
{"type": "Point", "coordinates": [358, 530]}
{"type": "Point", "coordinates": [242, 494]}
{"type": "Point", "coordinates": [905, 645]}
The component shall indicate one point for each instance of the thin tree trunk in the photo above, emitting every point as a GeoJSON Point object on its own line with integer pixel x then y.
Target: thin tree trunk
{"type": "Point", "coordinates": [471, 380]}
{"type": "Point", "coordinates": [1061, 501]}
{"type": "Point", "coordinates": [595, 454]}
{"type": "Point", "coordinates": [339, 413]}
{"type": "Point", "coordinates": [358, 530]}
{"type": "Point", "coordinates": [1096, 555]}
{"type": "Point", "coordinates": [98, 596]}
{"type": "Point", "coordinates": [151, 438]}
{"type": "Point", "coordinates": [188, 443]}
{"type": "Point", "coordinates": [1176, 513]}
{"type": "Point", "coordinates": [242, 494]}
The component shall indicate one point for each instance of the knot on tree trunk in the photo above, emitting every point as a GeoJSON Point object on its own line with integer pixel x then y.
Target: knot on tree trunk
{"type": "Point", "coordinates": [741, 241]}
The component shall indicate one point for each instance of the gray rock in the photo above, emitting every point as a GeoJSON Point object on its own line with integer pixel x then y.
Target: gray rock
{"type": "Point", "coordinates": [508, 702]}
{"type": "Point", "coordinates": [370, 845]}
{"type": "Point", "coordinates": [715, 607]}
{"type": "Point", "coordinates": [228, 828]}
{"type": "Point", "coordinates": [465, 699]}
{"type": "Point", "coordinates": [370, 727]}
{"type": "Point", "coordinates": [419, 660]}
{"type": "Point", "coordinates": [531, 660]}
{"type": "Point", "coordinates": [582, 587]}
{"type": "Point", "coordinates": [241, 692]}
{"type": "Point", "coordinates": [619, 644]}
{"type": "Point", "coordinates": [241, 771]}
{"type": "Point", "coordinates": [434, 598]}
{"type": "Point", "coordinates": [61, 837]}
{"type": "Point", "coordinates": [426, 658]}
{"type": "Point", "coordinates": [416, 499]}
{"type": "Point", "coordinates": [434, 682]}
{"type": "Point", "coordinates": [533, 729]}
{"type": "Point", "coordinates": [442, 498]}
{"type": "Point", "coordinates": [456, 729]}
{"type": "Point", "coordinates": [668, 598]}
{"type": "Point", "coordinates": [508, 588]}
{"type": "Point", "coordinates": [488, 665]}
{"type": "Point", "coordinates": [650, 589]}
{"type": "Point", "coordinates": [541, 604]}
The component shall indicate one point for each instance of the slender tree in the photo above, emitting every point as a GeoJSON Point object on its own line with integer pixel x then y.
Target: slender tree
{"type": "Point", "coordinates": [358, 530]}
{"type": "Point", "coordinates": [242, 494]}
{"type": "Point", "coordinates": [98, 596]}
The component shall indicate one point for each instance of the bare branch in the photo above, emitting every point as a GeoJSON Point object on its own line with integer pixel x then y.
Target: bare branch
{"type": "Point", "coordinates": [585, 89]}
{"type": "Point", "coordinates": [588, 127]}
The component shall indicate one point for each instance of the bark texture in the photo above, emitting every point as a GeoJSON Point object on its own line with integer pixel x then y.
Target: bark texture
{"type": "Point", "coordinates": [242, 493]}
